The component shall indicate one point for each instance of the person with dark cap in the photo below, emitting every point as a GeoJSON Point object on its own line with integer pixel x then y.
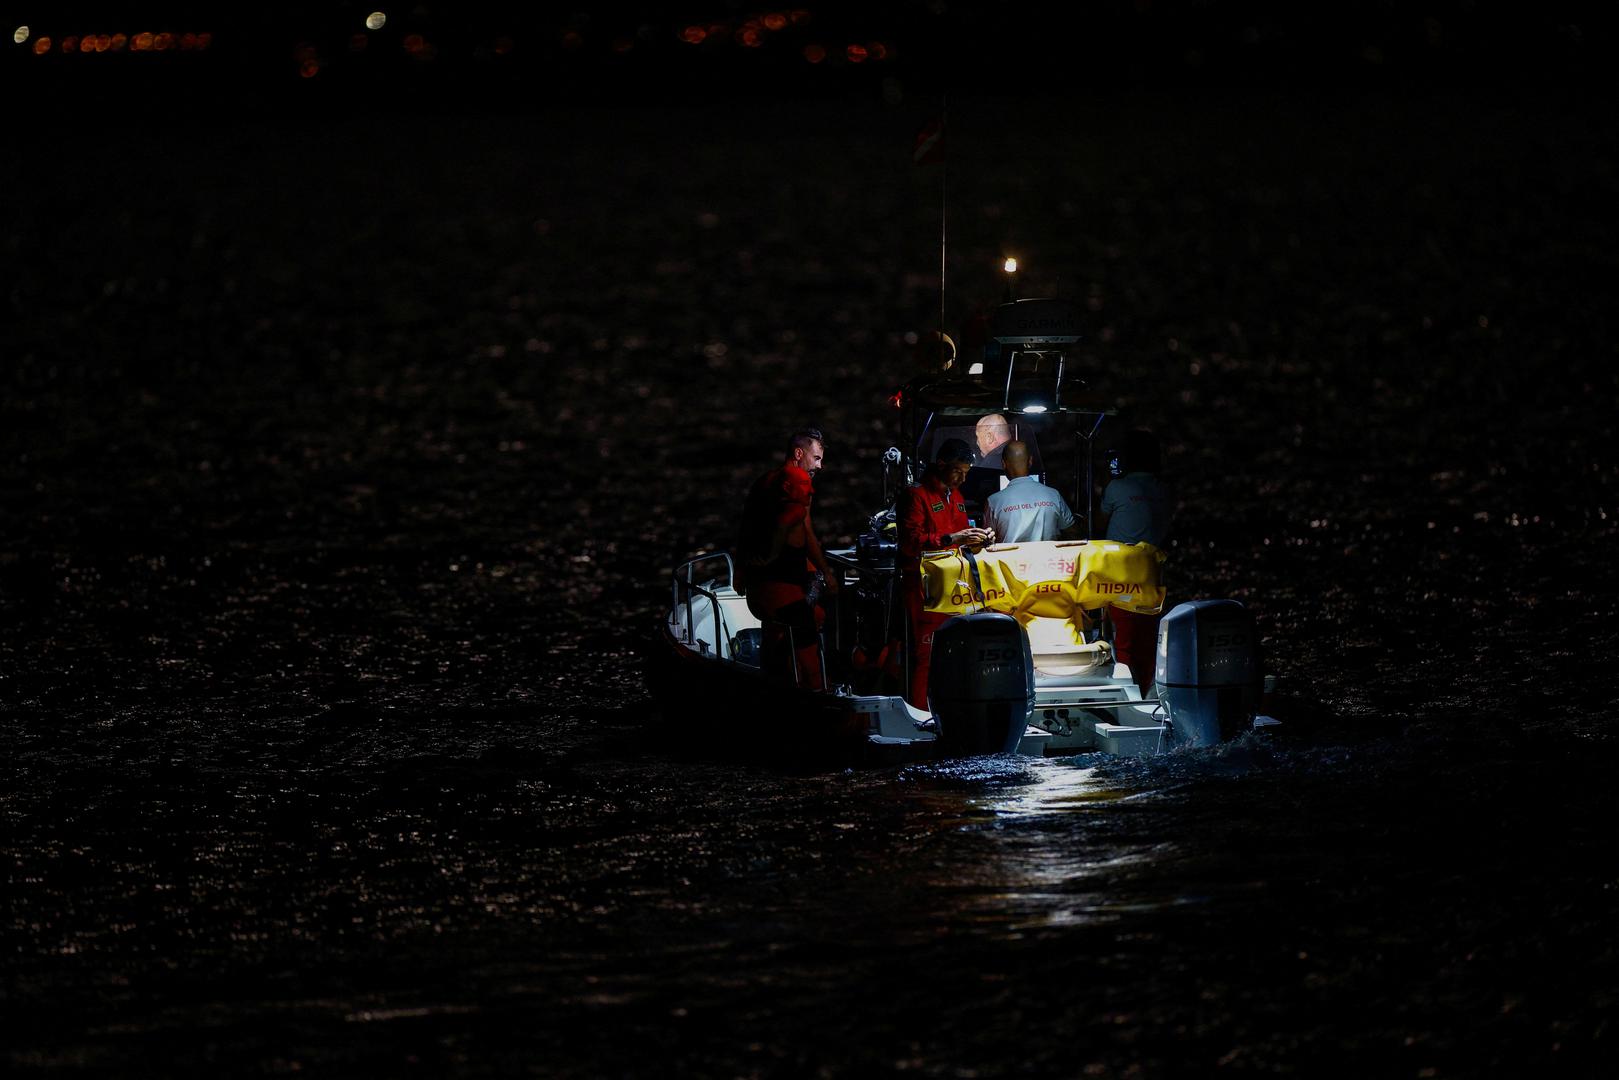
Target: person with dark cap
{"type": "Point", "coordinates": [1137, 507]}
{"type": "Point", "coordinates": [777, 554]}
{"type": "Point", "coordinates": [932, 517]}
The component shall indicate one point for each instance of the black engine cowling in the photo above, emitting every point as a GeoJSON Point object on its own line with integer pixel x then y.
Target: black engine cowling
{"type": "Point", "coordinates": [981, 684]}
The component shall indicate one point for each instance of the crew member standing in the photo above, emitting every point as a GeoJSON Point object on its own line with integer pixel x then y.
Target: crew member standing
{"type": "Point", "coordinates": [932, 517]}
{"type": "Point", "coordinates": [778, 554]}
{"type": "Point", "coordinates": [1137, 507]}
{"type": "Point", "coordinates": [1025, 509]}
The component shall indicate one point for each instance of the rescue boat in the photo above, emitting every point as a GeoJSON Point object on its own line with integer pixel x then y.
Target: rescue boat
{"type": "Point", "coordinates": [1027, 665]}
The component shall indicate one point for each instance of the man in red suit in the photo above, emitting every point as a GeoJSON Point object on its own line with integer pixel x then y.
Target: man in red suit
{"type": "Point", "coordinates": [779, 552]}
{"type": "Point", "coordinates": [932, 517]}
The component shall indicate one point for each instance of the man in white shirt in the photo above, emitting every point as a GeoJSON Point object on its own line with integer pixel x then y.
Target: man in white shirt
{"type": "Point", "coordinates": [1025, 509]}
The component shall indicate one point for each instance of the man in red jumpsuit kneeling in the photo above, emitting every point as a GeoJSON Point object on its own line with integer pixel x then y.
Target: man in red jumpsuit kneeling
{"type": "Point", "coordinates": [779, 552]}
{"type": "Point", "coordinates": [932, 516]}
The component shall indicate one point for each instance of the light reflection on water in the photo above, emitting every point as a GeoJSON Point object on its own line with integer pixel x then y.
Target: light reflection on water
{"type": "Point", "coordinates": [1044, 852]}
{"type": "Point", "coordinates": [1054, 786]}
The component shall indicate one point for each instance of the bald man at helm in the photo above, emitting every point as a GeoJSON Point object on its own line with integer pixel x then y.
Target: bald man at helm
{"type": "Point", "coordinates": [984, 478]}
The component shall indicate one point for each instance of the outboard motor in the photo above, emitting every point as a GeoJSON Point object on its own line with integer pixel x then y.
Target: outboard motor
{"type": "Point", "coordinates": [981, 684]}
{"type": "Point", "coordinates": [1207, 671]}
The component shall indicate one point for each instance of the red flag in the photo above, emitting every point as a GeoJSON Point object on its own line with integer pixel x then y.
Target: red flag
{"type": "Point", "coordinates": [930, 143]}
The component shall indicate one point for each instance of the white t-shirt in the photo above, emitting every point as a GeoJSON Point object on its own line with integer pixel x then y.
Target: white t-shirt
{"type": "Point", "coordinates": [1139, 507]}
{"type": "Point", "coordinates": [1024, 510]}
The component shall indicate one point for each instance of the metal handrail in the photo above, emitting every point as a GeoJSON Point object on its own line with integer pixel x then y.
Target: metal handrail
{"type": "Point", "coordinates": [686, 568]}
{"type": "Point", "coordinates": [681, 594]}
{"type": "Point", "coordinates": [722, 636]}
{"type": "Point", "coordinates": [722, 643]}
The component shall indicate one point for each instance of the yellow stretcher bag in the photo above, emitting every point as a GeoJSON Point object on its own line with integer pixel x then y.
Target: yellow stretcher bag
{"type": "Point", "coordinates": [1053, 579]}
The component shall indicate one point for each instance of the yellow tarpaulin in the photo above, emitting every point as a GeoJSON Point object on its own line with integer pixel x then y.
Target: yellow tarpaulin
{"type": "Point", "coordinates": [1046, 579]}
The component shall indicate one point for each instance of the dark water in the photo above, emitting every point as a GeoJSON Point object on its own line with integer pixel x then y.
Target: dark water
{"type": "Point", "coordinates": [344, 463]}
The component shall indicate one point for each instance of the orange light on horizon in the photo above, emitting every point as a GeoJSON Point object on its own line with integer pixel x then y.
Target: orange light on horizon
{"type": "Point", "coordinates": [775, 20]}
{"type": "Point", "coordinates": [856, 54]}
{"type": "Point", "coordinates": [118, 42]}
{"type": "Point", "coordinates": [814, 53]}
{"type": "Point", "coordinates": [142, 43]}
{"type": "Point", "coordinates": [693, 35]}
{"type": "Point", "coordinates": [42, 46]}
{"type": "Point", "coordinates": [879, 51]}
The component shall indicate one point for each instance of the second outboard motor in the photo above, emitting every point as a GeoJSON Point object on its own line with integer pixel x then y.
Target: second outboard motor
{"type": "Point", "coordinates": [1207, 671]}
{"type": "Point", "coordinates": [981, 684]}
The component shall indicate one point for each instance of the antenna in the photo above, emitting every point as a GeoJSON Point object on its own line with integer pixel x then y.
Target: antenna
{"type": "Point", "coordinates": [944, 207]}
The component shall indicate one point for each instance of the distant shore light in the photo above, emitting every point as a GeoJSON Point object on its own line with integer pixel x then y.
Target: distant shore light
{"type": "Point", "coordinates": [376, 20]}
{"type": "Point", "coordinates": [1011, 266]}
{"type": "Point", "coordinates": [20, 34]}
